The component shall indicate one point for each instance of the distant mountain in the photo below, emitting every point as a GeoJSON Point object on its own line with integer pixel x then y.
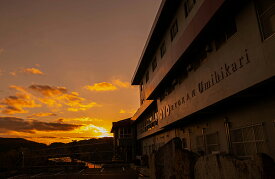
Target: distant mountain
{"type": "Point", "coordinates": [7, 144]}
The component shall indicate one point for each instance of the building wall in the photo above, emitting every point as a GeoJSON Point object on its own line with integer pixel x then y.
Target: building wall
{"type": "Point", "coordinates": [243, 61]}
{"type": "Point", "coordinates": [258, 114]}
{"type": "Point", "coordinates": [248, 58]}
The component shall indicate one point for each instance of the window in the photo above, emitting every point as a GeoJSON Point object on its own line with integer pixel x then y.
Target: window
{"type": "Point", "coordinates": [147, 76]}
{"type": "Point", "coordinates": [188, 6]}
{"type": "Point", "coordinates": [125, 132]}
{"type": "Point", "coordinates": [162, 49]}
{"type": "Point", "coordinates": [266, 9]}
{"type": "Point", "coordinates": [208, 143]}
{"type": "Point", "coordinates": [154, 64]}
{"type": "Point", "coordinates": [224, 30]}
{"type": "Point", "coordinates": [248, 140]}
{"type": "Point", "coordinates": [141, 86]}
{"type": "Point", "coordinates": [174, 30]}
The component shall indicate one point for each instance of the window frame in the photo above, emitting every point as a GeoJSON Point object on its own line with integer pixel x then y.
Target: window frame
{"type": "Point", "coordinates": [162, 49]}
{"type": "Point", "coordinates": [174, 30]}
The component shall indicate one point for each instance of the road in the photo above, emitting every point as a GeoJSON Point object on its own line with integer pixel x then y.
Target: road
{"type": "Point", "coordinates": [94, 173]}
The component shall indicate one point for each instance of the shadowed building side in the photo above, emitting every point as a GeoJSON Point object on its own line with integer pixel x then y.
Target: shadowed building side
{"type": "Point", "coordinates": [123, 140]}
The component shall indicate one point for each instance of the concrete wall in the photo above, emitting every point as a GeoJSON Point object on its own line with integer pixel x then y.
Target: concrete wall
{"type": "Point", "coordinates": [173, 162]}
{"type": "Point", "coordinates": [170, 161]}
{"type": "Point", "coordinates": [228, 167]}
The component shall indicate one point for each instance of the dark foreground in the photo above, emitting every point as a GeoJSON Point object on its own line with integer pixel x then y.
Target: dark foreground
{"type": "Point", "coordinates": [95, 173]}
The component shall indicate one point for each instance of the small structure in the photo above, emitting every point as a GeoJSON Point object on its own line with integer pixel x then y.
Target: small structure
{"type": "Point", "coordinates": [123, 140]}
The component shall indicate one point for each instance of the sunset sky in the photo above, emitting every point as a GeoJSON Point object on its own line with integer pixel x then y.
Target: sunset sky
{"type": "Point", "coordinates": [66, 66]}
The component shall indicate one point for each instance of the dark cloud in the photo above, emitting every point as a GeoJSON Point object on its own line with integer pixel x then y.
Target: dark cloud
{"type": "Point", "coordinates": [48, 91]}
{"type": "Point", "coordinates": [29, 126]}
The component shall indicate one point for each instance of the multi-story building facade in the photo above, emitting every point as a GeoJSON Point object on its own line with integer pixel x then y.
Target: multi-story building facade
{"type": "Point", "coordinates": [123, 140]}
{"type": "Point", "coordinates": [206, 75]}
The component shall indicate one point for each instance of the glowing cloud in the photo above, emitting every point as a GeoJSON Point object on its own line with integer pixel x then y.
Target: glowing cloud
{"type": "Point", "coordinates": [81, 120]}
{"type": "Point", "coordinates": [42, 115]}
{"type": "Point", "coordinates": [122, 111]}
{"type": "Point", "coordinates": [17, 103]}
{"type": "Point", "coordinates": [57, 97]}
{"type": "Point", "coordinates": [121, 84]}
{"type": "Point", "coordinates": [95, 130]}
{"type": "Point", "coordinates": [46, 90]}
{"type": "Point", "coordinates": [33, 71]}
{"type": "Point", "coordinates": [103, 86]}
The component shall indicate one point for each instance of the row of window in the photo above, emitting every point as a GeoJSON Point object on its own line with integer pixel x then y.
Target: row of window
{"type": "Point", "coordinates": [245, 142]}
{"type": "Point", "coordinates": [173, 33]}
{"type": "Point", "coordinates": [188, 6]}
{"type": "Point", "coordinates": [222, 30]}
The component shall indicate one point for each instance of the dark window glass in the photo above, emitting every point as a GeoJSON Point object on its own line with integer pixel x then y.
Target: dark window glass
{"type": "Point", "coordinates": [174, 30]}
{"type": "Point", "coordinates": [266, 13]}
{"type": "Point", "coordinates": [219, 38]}
{"type": "Point", "coordinates": [162, 49]}
{"type": "Point", "coordinates": [230, 27]}
{"type": "Point", "coordinates": [226, 27]}
{"type": "Point", "coordinates": [154, 63]}
{"type": "Point", "coordinates": [188, 6]}
{"type": "Point", "coordinates": [147, 76]}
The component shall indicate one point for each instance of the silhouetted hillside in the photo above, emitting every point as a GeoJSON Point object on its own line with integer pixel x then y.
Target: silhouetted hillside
{"type": "Point", "coordinates": [8, 144]}
{"type": "Point", "coordinates": [17, 153]}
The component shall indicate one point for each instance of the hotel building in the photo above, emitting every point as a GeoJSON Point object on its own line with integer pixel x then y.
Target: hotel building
{"type": "Point", "coordinates": [206, 75]}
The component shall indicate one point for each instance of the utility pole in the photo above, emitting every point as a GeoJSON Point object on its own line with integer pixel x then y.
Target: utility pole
{"type": "Point", "coordinates": [23, 160]}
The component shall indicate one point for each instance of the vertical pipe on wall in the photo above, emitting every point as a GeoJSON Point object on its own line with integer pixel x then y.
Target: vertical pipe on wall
{"type": "Point", "coordinates": [227, 132]}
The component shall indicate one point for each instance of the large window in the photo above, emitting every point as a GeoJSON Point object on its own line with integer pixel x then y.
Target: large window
{"type": "Point", "coordinates": [124, 132]}
{"type": "Point", "coordinates": [174, 30]}
{"type": "Point", "coordinates": [162, 49]}
{"type": "Point", "coordinates": [266, 13]}
{"type": "Point", "coordinates": [247, 140]}
{"type": "Point", "coordinates": [225, 28]}
{"type": "Point", "coordinates": [154, 64]}
{"type": "Point", "coordinates": [188, 6]}
{"type": "Point", "coordinates": [208, 143]}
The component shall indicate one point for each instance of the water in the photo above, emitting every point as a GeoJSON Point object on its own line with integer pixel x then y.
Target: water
{"type": "Point", "coordinates": [69, 159]}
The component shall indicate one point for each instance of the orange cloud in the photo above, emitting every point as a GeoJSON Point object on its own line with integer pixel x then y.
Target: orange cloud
{"type": "Point", "coordinates": [33, 71]}
{"type": "Point", "coordinates": [121, 84]}
{"type": "Point", "coordinates": [122, 111]}
{"type": "Point", "coordinates": [103, 86]}
{"type": "Point", "coordinates": [82, 120]}
{"type": "Point", "coordinates": [42, 115]}
{"type": "Point", "coordinates": [46, 90]}
{"type": "Point", "coordinates": [17, 103]}
{"type": "Point", "coordinates": [57, 97]}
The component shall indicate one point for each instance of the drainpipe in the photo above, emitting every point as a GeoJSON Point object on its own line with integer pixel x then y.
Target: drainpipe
{"type": "Point", "coordinates": [204, 140]}
{"type": "Point", "coordinates": [227, 132]}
